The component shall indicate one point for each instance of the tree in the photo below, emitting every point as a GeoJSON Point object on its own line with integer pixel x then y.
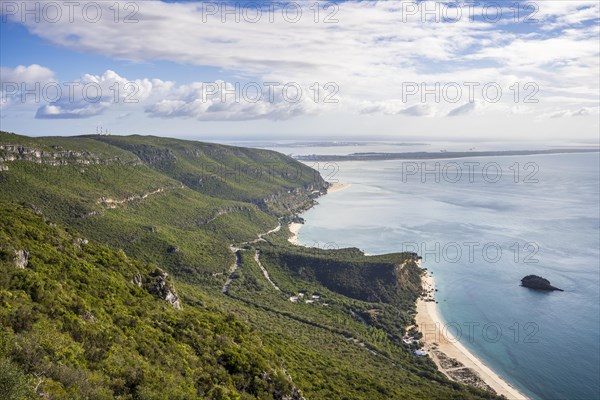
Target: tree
{"type": "Point", "coordinates": [14, 384]}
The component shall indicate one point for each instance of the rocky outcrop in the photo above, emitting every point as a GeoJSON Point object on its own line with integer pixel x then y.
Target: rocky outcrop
{"type": "Point", "coordinates": [54, 158]}
{"type": "Point", "coordinates": [292, 202]}
{"type": "Point", "coordinates": [292, 393]}
{"type": "Point", "coordinates": [296, 219]}
{"type": "Point", "coordinates": [538, 283]}
{"type": "Point", "coordinates": [79, 241]}
{"type": "Point", "coordinates": [89, 317]}
{"type": "Point", "coordinates": [137, 280]}
{"type": "Point", "coordinates": [161, 285]}
{"type": "Point", "coordinates": [21, 258]}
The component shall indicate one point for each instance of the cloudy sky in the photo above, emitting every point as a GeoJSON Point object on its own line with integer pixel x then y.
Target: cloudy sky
{"type": "Point", "coordinates": [472, 70]}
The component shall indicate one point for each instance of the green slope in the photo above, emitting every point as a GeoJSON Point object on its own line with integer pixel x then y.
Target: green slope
{"type": "Point", "coordinates": [74, 317]}
{"type": "Point", "coordinates": [149, 204]}
{"type": "Point", "coordinates": [250, 175]}
{"type": "Point", "coordinates": [129, 204]}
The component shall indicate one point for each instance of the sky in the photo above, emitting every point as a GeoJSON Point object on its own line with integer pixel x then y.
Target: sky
{"type": "Point", "coordinates": [475, 71]}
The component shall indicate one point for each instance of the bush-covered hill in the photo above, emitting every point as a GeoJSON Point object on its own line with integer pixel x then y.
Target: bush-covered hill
{"type": "Point", "coordinates": [140, 197]}
{"type": "Point", "coordinates": [89, 228]}
{"type": "Point", "coordinates": [396, 280]}
{"type": "Point", "coordinates": [92, 323]}
{"type": "Point", "coordinates": [266, 178]}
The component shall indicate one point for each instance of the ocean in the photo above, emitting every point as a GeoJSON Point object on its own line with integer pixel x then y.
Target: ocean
{"type": "Point", "coordinates": [482, 224]}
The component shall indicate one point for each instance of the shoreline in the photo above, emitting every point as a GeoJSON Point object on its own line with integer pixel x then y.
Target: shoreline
{"type": "Point", "coordinates": [451, 357]}
{"type": "Point", "coordinates": [338, 187]}
{"type": "Point", "coordinates": [294, 227]}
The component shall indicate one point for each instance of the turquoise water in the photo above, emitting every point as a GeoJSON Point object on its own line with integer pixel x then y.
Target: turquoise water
{"type": "Point", "coordinates": [545, 221]}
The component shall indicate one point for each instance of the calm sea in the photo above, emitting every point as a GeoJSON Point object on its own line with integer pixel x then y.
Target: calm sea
{"type": "Point", "coordinates": [481, 225]}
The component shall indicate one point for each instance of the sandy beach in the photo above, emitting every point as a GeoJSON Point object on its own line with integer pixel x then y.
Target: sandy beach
{"type": "Point", "coordinates": [336, 187]}
{"type": "Point", "coordinates": [294, 227]}
{"type": "Point", "coordinates": [451, 357]}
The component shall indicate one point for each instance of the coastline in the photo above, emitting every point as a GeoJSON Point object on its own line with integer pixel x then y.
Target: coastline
{"type": "Point", "coordinates": [452, 358]}
{"type": "Point", "coordinates": [294, 227]}
{"type": "Point", "coordinates": [338, 187]}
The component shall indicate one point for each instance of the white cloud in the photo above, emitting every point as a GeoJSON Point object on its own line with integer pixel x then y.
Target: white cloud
{"type": "Point", "coordinates": [14, 80]}
{"type": "Point", "coordinates": [226, 101]}
{"type": "Point", "coordinates": [369, 53]}
{"type": "Point", "coordinates": [576, 112]}
{"type": "Point", "coordinates": [462, 110]}
{"type": "Point", "coordinates": [395, 107]}
{"type": "Point", "coordinates": [71, 111]}
{"type": "Point", "coordinates": [419, 110]}
{"type": "Point", "coordinates": [29, 74]}
{"type": "Point", "coordinates": [93, 95]}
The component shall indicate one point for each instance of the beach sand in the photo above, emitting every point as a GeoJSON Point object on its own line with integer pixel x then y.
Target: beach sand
{"type": "Point", "coordinates": [336, 187]}
{"type": "Point", "coordinates": [294, 227]}
{"type": "Point", "coordinates": [446, 351]}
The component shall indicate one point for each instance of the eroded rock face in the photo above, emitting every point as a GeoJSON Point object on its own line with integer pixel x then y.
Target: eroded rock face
{"type": "Point", "coordinates": [538, 283]}
{"type": "Point", "coordinates": [137, 280]}
{"type": "Point", "coordinates": [161, 286]}
{"type": "Point", "coordinates": [171, 297]}
{"type": "Point", "coordinates": [294, 394]}
{"type": "Point", "coordinates": [88, 316]}
{"type": "Point", "coordinates": [21, 258]}
{"type": "Point", "coordinates": [80, 241]}
{"type": "Point", "coordinates": [158, 283]}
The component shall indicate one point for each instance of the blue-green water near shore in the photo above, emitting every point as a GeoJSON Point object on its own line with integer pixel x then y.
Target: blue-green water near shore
{"type": "Point", "coordinates": [480, 233]}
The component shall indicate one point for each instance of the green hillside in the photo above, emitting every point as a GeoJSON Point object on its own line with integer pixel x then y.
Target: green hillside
{"type": "Point", "coordinates": [76, 316]}
{"type": "Point", "coordinates": [234, 173]}
{"type": "Point", "coordinates": [144, 201]}
{"type": "Point", "coordinates": [119, 280]}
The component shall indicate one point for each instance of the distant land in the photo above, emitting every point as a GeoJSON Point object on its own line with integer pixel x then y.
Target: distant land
{"type": "Point", "coordinates": [334, 143]}
{"type": "Point", "coordinates": [424, 155]}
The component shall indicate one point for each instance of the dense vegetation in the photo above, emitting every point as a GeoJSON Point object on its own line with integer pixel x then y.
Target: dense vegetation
{"type": "Point", "coordinates": [74, 317]}
{"type": "Point", "coordinates": [351, 273]}
{"type": "Point", "coordinates": [90, 225]}
{"type": "Point", "coordinates": [263, 177]}
{"type": "Point", "coordinates": [102, 195]}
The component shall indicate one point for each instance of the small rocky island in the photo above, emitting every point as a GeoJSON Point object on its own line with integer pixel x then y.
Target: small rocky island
{"type": "Point", "coordinates": [537, 282]}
